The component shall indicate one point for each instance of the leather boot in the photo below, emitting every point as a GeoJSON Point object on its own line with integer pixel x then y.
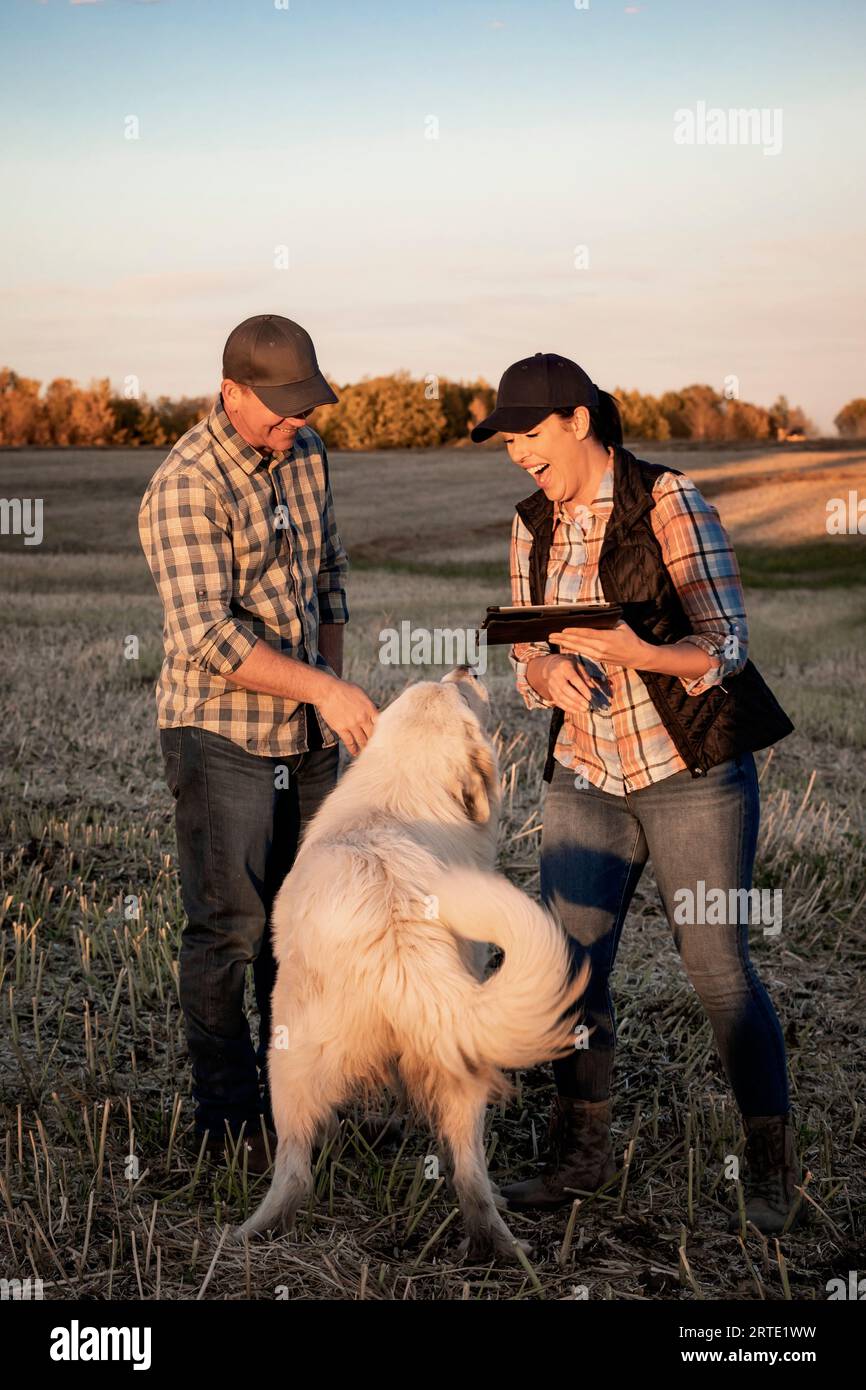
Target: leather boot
{"type": "Point", "coordinates": [581, 1156]}
{"type": "Point", "coordinates": [772, 1171]}
{"type": "Point", "coordinates": [258, 1149]}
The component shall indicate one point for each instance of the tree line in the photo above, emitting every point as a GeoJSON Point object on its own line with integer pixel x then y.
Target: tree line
{"type": "Point", "coordinates": [385, 412]}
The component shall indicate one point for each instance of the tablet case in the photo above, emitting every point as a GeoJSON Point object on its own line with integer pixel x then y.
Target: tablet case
{"type": "Point", "coordinates": [535, 622]}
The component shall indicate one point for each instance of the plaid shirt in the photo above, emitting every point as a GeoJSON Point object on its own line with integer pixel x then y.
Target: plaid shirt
{"type": "Point", "coordinates": [242, 546]}
{"type": "Point", "coordinates": [618, 742]}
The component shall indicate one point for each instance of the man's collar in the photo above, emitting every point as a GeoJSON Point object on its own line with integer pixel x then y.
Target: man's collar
{"type": "Point", "coordinates": [234, 444]}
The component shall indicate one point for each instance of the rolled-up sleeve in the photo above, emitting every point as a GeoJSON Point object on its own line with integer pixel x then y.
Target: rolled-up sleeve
{"type": "Point", "coordinates": [331, 582]}
{"type": "Point", "coordinates": [703, 567]}
{"type": "Point", "coordinates": [521, 653]}
{"type": "Point", "coordinates": [187, 541]}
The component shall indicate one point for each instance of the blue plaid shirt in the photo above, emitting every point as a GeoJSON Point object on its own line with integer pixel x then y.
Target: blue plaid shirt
{"type": "Point", "coordinates": [243, 547]}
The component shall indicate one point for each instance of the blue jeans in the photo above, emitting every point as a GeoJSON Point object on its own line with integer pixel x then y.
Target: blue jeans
{"type": "Point", "coordinates": [696, 831]}
{"type": "Point", "coordinates": [237, 836]}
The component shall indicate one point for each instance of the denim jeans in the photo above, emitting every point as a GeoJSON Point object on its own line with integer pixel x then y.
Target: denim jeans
{"type": "Point", "coordinates": [695, 830]}
{"type": "Point", "coordinates": [237, 836]}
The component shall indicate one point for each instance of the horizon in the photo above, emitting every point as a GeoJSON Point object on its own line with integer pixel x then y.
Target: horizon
{"type": "Point", "coordinates": [651, 256]}
{"type": "Point", "coordinates": [208, 397]}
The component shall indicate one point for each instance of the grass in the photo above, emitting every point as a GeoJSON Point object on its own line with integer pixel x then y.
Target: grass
{"type": "Point", "coordinates": [102, 1189]}
{"type": "Point", "coordinates": [810, 565]}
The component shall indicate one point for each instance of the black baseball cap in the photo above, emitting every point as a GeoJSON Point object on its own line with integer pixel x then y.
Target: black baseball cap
{"type": "Point", "coordinates": [532, 389]}
{"type": "Point", "coordinates": [276, 358]}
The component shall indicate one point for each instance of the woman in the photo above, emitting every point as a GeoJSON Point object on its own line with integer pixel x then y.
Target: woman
{"type": "Point", "coordinates": [650, 755]}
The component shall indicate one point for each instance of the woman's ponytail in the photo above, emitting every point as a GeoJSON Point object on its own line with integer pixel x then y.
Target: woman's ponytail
{"type": "Point", "coordinates": [605, 420]}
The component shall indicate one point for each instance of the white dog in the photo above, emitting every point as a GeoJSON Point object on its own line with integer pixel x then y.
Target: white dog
{"type": "Point", "coordinates": [377, 933]}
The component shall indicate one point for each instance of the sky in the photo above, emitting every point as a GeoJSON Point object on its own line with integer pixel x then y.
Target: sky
{"type": "Point", "coordinates": [438, 187]}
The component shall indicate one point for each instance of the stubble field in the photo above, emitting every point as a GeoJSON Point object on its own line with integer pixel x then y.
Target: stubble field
{"type": "Point", "coordinates": [93, 1058]}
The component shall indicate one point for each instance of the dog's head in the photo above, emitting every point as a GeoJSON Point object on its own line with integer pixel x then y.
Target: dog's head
{"type": "Point", "coordinates": [478, 784]}
{"type": "Point", "coordinates": [436, 734]}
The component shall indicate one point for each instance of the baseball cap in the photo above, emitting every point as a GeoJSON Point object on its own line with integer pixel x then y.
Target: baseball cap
{"type": "Point", "coordinates": [532, 389]}
{"type": "Point", "coordinates": [276, 358]}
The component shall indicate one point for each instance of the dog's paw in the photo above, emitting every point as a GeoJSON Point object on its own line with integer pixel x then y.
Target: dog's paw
{"type": "Point", "coordinates": [500, 1202]}
{"type": "Point", "coordinates": [249, 1231]}
{"type": "Point", "coordinates": [479, 1250]}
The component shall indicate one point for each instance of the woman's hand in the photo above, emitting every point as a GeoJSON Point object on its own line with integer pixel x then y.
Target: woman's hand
{"type": "Point", "coordinates": [619, 645]}
{"type": "Point", "coordinates": [558, 678]}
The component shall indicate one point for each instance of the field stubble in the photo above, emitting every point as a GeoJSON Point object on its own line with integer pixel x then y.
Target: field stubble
{"type": "Point", "coordinates": [103, 1194]}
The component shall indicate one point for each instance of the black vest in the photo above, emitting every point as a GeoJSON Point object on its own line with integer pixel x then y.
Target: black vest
{"type": "Point", "coordinates": [706, 729]}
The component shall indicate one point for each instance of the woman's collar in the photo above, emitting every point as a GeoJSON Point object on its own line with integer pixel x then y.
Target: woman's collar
{"type": "Point", "coordinates": [601, 505]}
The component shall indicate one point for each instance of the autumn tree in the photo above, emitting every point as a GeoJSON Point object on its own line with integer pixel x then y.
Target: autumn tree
{"type": "Point", "coordinates": [464, 405]}
{"type": "Point", "coordinates": [741, 420]}
{"type": "Point", "coordinates": [642, 416]}
{"type": "Point", "coordinates": [20, 410]}
{"type": "Point", "coordinates": [851, 420]}
{"type": "Point", "coordinates": [785, 418]}
{"type": "Point", "coordinates": [386, 412]}
{"type": "Point", "coordinates": [78, 417]}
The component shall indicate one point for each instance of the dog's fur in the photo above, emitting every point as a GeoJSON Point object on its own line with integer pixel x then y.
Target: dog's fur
{"type": "Point", "coordinates": [378, 933]}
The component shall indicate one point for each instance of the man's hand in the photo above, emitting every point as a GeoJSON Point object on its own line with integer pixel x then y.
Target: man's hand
{"type": "Point", "coordinates": [344, 706]}
{"type": "Point", "coordinates": [349, 711]}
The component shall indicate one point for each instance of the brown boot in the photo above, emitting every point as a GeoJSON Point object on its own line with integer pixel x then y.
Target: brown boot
{"type": "Point", "coordinates": [256, 1149]}
{"type": "Point", "coordinates": [772, 1173]}
{"type": "Point", "coordinates": [381, 1131]}
{"type": "Point", "coordinates": [581, 1158]}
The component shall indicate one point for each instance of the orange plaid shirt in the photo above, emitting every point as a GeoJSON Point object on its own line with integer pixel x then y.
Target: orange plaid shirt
{"type": "Point", "coordinates": [618, 743]}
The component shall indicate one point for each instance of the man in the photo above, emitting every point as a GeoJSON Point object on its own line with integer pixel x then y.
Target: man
{"type": "Point", "coordinates": [239, 531]}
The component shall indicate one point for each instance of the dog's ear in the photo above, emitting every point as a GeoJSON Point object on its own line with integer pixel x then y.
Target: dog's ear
{"type": "Point", "coordinates": [476, 781]}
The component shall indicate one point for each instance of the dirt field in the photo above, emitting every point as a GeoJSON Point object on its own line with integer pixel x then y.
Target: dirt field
{"type": "Point", "coordinates": [93, 1057]}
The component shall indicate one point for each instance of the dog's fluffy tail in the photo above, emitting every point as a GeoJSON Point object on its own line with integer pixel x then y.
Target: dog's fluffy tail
{"type": "Point", "coordinates": [525, 1012]}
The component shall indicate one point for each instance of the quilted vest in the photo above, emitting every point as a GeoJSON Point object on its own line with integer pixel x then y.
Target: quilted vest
{"type": "Point", "coordinates": [706, 729]}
